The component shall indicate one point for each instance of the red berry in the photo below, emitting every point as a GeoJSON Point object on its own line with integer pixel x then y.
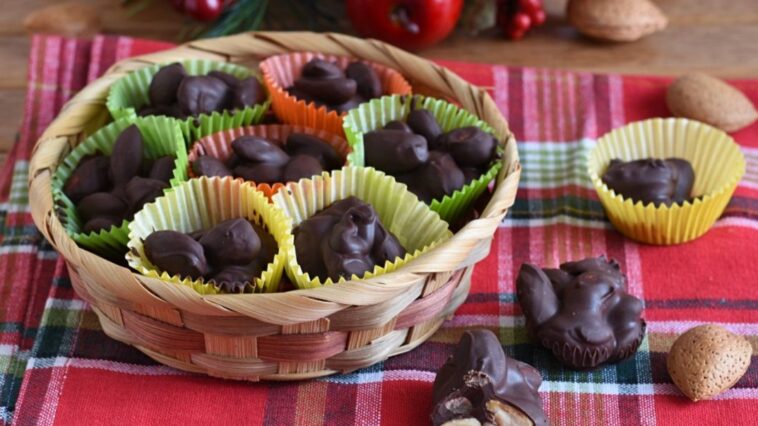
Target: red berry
{"type": "Point", "coordinates": [530, 6]}
{"type": "Point", "coordinates": [522, 21]}
{"type": "Point", "coordinates": [538, 18]}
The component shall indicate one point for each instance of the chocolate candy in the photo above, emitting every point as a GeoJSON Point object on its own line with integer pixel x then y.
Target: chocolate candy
{"type": "Point", "coordinates": [101, 204]}
{"type": "Point", "coordinates": [398, 125]}
{"type": "Point", "coordinates": [176, 253]}
{"type": "Point", "coordinates": [320, 68]}
{"type": "Point", "coordinates": [210, 166]}
{"type": "Point", "coordinates": [369, 85]}
{"type": "Point", "coordinates": [479, 384]}
{"type": "Point", "coordinates": [91, 175]}
{"type": "Point", "coordinates": [349, 104]}
{"type": "Point", "coordinates": [140, 191]}
{"type": "Point", "coordinates": [343, 240]}
{"type": "Point", "coordinates": [301, 166]}
{"type": "Point", "coordinates": [230, 80]}
{"type": "Point", "coordinates": [165, 83]}
{"type": "Point", "coordinates": [302, 143]}
{"type": "Point", "coordinates": [440, 176]}
{"type": "Point", "coordinates": [234, 278]}
{"type": "Point", "coordinates": [247, 92]}
{"type": "Point", "coordinates": [101, 222]}
{"type": "Point", "coordinates": [172, 110]}
{"type": "Point", "coordinates": [394, 151]}
{"type": "Point", "coordinates": [126, 158]}
{"type": "Point", "coordinates": [422, 122]}
{"type": "Point", "coordinates": [581, 312]}
{"type": "Point", "coordinates": [231, 242]}
{"type": "Point", "coordinates": [162, 169]}
{"type": "Point", "coordinates": [651, 180]}
{"type": "Point", "coordinates": [330, 91]}
{"type": "Point", "coordinates": [259, 150]}
{"type": "Point", "coordinates": [202, 95]}
{"type": "Point", "coordinates": [259, 172]}
{"type": "Point", "coordinates": [470, 146]}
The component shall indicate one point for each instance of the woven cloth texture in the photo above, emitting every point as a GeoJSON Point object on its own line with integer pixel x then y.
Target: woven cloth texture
{"type": "Point", "coordinates": [57, 366]}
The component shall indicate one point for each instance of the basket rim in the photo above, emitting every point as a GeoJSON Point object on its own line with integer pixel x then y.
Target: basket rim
{"type": "Point", "coordinates": [469, 245]}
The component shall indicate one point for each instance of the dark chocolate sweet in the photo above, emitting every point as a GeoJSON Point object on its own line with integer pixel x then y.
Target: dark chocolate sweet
{"type": "Point", "coordinates": [651, 180]}
{"type": "Point", "coordinates": [345, 239]}
{"type": "Point", "coordinates": [89, 176]}
{"type": "Point", "coordinates": [202, 94]}
{"type": "Point", "coordinates": [101, 204]}
{"type": "Point", "coordinates": [176, 253]}
{"type": "Point", "coordinates": [325, 84]}
{"type": "Point", "coordinates": [581, 312]}
{"type": "Point", "coordinates": [479, 384]}
{"type": "Point", "coordinates": [162, 169]}
{"type": "Point", "coordinates": [470, 146]}
{"type": "Point", "coordinates": [165, 83]}
{"type": "Point", "coordinates": [264, 161]}
{"type": "Point", "coordinates": [126, 158]}
{"type": "Point", "coordinates": [101, 222]}
{"type": "Point", "coordinates": [229, 255]}
{"type": "Point", "coordinates": [422, 122]}
{"type": "Point", "coordinates": [140, 191]}
{"type": "Point", "coordinates": [440, 176]}
{"type": "Point", "coordinates": [398, 125]}
{"type": "Point", "coordinates": [394, 151]}
{"type": "Point", "coordinates": [247, 92]}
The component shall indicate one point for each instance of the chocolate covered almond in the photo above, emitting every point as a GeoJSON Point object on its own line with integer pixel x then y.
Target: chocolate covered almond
{"type": "Point", "coordinates": [232, 241]}
{"type": "Point", "coordinates": [165, 83]}
{"type": "Point", "coordinates": [176, 253]}
{"type": "Point", "coordinates": [259, 150]}
{"type": "Point", "coordinates": [367, 80]}
{"type": "Point", "coordinates": [210, 166]}
{"type": "Point", "coordinates": [89, 176]}
{"type": "Point", "coordinates": [394, 151]}
{"type": "Point", "coordinates": [202, 94]}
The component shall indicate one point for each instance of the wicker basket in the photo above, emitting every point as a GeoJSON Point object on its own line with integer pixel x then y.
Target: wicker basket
{"type": "Point", "coordinates": [284, 336]}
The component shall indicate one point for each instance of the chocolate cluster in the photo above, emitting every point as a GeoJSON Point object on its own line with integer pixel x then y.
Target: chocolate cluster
{"type": "Point", "coordinates": [229, 255]}
{"type": "Point", "coordinates": [581, 312]}
{"type": "Point", "coordinates": [345, 239]}
{"type": "Point", "coordinates": [651, 180]}
{"type": "Point", "coordinates": [431, 163]}
{"type": "Point", "coordinates": [174, 93]}
{"type": "Point", "coordinates": [109, 189]}
{"type": "Point", "coordinates": [479, 384]}
{"type": "Point", "coordinates": [325, 83]}
{"type": "Point", "coordinates": [263, 161]}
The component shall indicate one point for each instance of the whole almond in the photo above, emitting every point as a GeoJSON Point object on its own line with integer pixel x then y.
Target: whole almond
{"type": "Point", "coordinates": [71, 19]}
{"type": "Point", "coordinates": [707, 360]}
{"type": "Point", "coordinates": [704, 98]}
{"type": "Point", "coordinates": [616, 20]}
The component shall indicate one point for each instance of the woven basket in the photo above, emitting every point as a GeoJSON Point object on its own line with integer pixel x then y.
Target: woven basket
{"type": "Point", "coordinates": [283, 336]}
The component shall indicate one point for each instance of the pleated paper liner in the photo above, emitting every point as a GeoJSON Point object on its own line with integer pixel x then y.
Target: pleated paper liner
{"type": "Point", "coordinates": [715, 157]}
{"type": "Point", "coordinates": [161, 136]}
{"type": "Point", "coordinates": [219, 145]}
{"type": "Point", "coordinates": [280, 72]}
{"type": "Point", "coordinates": [199, 204]}
{"type": "Point", "coordinates": [130, 93]}
{"type": "Point", "coordinates": [417, 228]}
{"type": "Point", "coordinates": [375, 114]}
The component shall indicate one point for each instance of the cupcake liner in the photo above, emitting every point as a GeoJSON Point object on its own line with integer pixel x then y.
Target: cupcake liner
{"type": "Point", "coordinates": [131, 92]}
{"type": "Point", "coordinates": [219, 145]}
{"type": "Point", "coordinates": [417, 228]}
{"type": "Point", "coordinates": [161, 136]}
{"type": "Point", "coordinates": [200, 204]}
{"type": "Point", "coordinates": [715, 157]}
{"type": "Point", "coordinates": [280, 72]}
{"type": "Point", "coordinates": [378, 112]}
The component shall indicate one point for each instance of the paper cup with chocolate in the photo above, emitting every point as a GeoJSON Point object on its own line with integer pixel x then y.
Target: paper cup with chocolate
{"type": "Point", "coordinates": [107, 178]}
{"type": "Point", "coordinates": [268, 155]}
{"type": "Point", "coordinates": [216, 235]}
{"type": "Point", "coordinates": [665, 181]}
{"type": "Point", "coordinates": [354, 223]}
{"type": "Point", "coordinates": [206, 96]}
{"type": "Point", "coordinates": [444, 154]}
{"type": "Point", "coordinates": [316, 90]}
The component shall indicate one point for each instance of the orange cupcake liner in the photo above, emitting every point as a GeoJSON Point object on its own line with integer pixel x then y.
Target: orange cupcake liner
{"type": "Point", "coordinates": [219, 145]}
{"type": "Point", "coordinates": [280, 72]}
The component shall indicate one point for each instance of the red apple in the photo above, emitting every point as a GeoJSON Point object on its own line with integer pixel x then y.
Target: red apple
{"type": "Point", "coordinates": [410, 24]}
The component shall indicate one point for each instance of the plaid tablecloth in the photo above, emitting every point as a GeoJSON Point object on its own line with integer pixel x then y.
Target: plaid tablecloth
{"type": "Point", "coordinates": [57, 366]}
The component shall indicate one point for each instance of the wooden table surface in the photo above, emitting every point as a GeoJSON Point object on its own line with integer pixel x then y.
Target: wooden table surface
{"type": "Point", "coordinates": [717, 36]}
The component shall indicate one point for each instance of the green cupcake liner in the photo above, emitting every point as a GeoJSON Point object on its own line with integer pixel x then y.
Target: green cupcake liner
{"type": "Point", "coordinates": [161, 136]}
{"type": "Point", "coordinates": [201, 203]}
{"type": "Point", "coordinates": [131, 92]}
{"type": "Point", "coordinates": [416, 227]}
{"type": "Point", "coordinates": [378, 112]}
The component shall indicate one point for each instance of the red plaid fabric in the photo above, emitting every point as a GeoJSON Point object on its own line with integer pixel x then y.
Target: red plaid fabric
{"type": "Point", "coordinates": [58, 368]}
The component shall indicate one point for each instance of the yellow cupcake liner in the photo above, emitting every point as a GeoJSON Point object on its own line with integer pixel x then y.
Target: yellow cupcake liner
{"type": "Point", "coordinates": [416, 227]}
{"type": "Point", "coordinates": [715, 157]}
{"type": "Point", "coordinates": [199, 204]}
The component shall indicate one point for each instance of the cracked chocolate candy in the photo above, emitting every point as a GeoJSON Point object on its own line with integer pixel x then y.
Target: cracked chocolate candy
{"type": "Point", "coordinates": [394, 151]}
{"type": "Point", "coordinates": [581, 312]}
{"type": "Point", "coordinates": [479, 384]}
{"type": "Point", "coordinates": [210, 166]}
{"type": "Point", "coordinates": [232, 241]}
{"type": "Point", "coordinates": [302, 143]}
{"type": "Point", "coordinates": [470, 146]}
{"type": "Point", "coordinates": [651, 180]}
{"type": "Point", "coordinates": [259, 150]}
{"type": "Point", "coordinates": [165, 84]}
{"type": "Point", "coordinates": [367, 80]}
{"type": "Point", "coordinates": [176, 253]}
{"type": "Point", "coordinates": [89, 176]}
{"type": "Point", "coordinates": [202, 94]}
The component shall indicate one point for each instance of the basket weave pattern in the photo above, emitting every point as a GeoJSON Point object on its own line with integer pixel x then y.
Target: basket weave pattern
{"type": "Point", "coordinates": [281, 336]}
